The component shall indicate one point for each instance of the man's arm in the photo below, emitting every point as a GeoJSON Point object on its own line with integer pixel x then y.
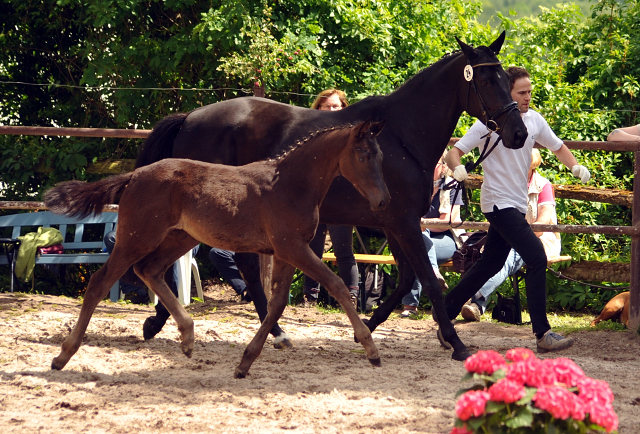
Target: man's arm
{"type": "Point", "coordinates": [545, 216]}
{"type": "Point", "coordinates": [566, 157]}
{"type": "Point", "coordinates": [627, 134]}
{"type": "Point", "coordinates": [453, 161]}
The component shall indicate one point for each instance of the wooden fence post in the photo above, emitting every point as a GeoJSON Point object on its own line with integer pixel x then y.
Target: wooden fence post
{"type": "Point", "coordinates": [634, 287]}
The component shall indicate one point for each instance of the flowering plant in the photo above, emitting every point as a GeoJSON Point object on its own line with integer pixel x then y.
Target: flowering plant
{"type": "Point", "coordinates": [523, 394]}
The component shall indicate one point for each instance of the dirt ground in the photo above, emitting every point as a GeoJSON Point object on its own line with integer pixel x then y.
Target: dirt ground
{"type": "Point", "coordinates": [118, 383]}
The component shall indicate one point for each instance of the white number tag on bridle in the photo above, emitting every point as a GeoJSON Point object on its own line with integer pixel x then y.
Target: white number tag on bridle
{"type": "Point", "coordinates": [468, 73]}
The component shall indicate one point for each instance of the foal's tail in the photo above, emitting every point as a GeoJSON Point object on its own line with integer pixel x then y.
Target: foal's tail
{"type": "Point", "coordinates": [80, 199]}
{"type": "Point", "coordinates": [159, 144]}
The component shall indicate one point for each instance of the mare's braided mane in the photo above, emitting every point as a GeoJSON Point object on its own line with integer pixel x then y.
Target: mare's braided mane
{"type": "Point", "coordinates": [298, 143]}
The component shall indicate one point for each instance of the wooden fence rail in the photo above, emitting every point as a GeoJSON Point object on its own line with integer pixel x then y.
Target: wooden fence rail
{"type": "Point", "coordinates": [633, 230]}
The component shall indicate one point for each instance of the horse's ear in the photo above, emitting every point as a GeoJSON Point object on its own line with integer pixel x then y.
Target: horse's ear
{"type": "Point", "coordinates": [497, 44]}
{"type": "Point", "coordinates": [363, 129]}
{"type": "Point", "coordinates": [466, 49]}
{"type": "Point", "coordinates": [376, 127]}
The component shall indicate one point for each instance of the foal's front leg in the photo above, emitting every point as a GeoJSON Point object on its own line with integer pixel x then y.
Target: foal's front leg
{"type": "Point", "coordinates": [282, 275]}
{"type": "Point", "coordinates": [311, 265]}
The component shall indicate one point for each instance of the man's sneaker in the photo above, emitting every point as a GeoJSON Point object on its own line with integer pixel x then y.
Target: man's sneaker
{"type": "Point", "coordinates": [553, 342]}
{"type": "Point", "coordinates": [471, 312]}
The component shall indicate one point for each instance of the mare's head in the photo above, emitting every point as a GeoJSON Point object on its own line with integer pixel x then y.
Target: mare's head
{"type": "Point", "coordinates": [361, 164]}
{"type": "Point", "coordinates": [489, 97]}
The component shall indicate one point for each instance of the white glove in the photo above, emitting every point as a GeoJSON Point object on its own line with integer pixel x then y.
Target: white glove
{"type": "Point", "coordinates": [581, 172]}
{"type": "Point", "coordinates": [460, 173]}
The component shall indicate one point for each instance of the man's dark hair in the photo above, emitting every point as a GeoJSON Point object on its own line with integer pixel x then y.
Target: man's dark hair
{"type": "Point", "coordinates": [515, 73]}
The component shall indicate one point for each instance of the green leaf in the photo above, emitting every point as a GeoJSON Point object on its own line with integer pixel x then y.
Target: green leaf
{"type": "Point", "coordinates": [522, 417]}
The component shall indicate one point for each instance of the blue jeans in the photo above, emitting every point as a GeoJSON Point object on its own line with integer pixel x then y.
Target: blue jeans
{"type": "Point", "coordinates": [224, 262]}
{"type": "Point", "coordinates": [513, 263]}
{"type": "Point", "coordinates": [440, 247]}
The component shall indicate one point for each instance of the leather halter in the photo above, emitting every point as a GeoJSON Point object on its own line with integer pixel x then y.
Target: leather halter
{"type": "Point", "coordinates": [489, 120]}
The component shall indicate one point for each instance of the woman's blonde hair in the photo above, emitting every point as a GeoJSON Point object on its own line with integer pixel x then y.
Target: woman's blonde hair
{"type": "Point", "coordinates": [536, 159]}
{"type": "Point", "coordinates": [445, 170]}
{"type": "Point", "coordinates": [322, 96]}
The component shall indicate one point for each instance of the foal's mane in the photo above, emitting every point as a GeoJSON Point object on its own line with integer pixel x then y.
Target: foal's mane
{"type": "Point", "coordinates": [312, 135]}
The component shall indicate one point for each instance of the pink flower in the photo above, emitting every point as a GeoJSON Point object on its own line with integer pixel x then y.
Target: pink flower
{"type": "Point", "coordinates": [462, 430]}
{"type": "Point", "coordinates": [594, 392]}
{"type": "Point", "coordinates": [506, 391]}
{"type": "Point", "coordinates": [519, 354]}
{"type": "Point", "coordinates": [522, 372]}
{"type": "Point", "coordinates": [559, 402]}
{"type": "Point", "coordinates": [605, 416]}
{"type": "Point", "coordinates": [485, 362]}
{"type": "Point", "coordinates": [544, 374]}
{"type": "Point", "coordinates": [257, 83]}
{"type": "Point", "coordinates": [290, 57]}
{"type": "Point", "coordinates": [567, 372]}
{"type": "Point", "coordinates": [472, 403]}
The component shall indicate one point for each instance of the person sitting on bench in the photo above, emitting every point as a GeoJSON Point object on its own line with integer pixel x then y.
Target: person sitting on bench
{"type": "Point", "coordinates": [541, 208]}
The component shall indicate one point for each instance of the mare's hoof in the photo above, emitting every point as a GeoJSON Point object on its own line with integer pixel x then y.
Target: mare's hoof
{"type": "Point", "coordinates": [461, 356]}
{"type": "Point", "coordinates": [282, 342]}
{"type": "Point", "coordinates": [375, 362]}
{"type": "Point", "coordinates": [151, 327]}
{"type": "Point", "coordinates": [187, 350]}
{"type": "Point", "coordinates": [239, 373]}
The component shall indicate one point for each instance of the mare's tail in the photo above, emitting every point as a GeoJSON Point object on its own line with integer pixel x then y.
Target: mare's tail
{"type": "Point", "coordinates": [80, 199]}
{"type": "Point", "coordinates": [159, 144]}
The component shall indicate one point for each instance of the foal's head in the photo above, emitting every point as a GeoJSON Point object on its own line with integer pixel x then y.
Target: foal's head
{"type": "Point", "coordinates": [361, 164]}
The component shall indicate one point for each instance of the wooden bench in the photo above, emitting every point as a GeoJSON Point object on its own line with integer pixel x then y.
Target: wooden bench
{"type": "Point", "coordinates": [88, 252]}
{"type": "Point", "coordinates": [515, 279]}
{"type": "Point", "coordinates": [77, 251]}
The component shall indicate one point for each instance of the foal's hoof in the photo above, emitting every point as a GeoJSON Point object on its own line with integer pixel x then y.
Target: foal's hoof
{"type": "Point", "coordinates": [461, 356]}
{"type": "Point", "coordinates": [239, 373]}
{"type": "Point", "coordinates": [151, 327]}
{"type": "Point", "coordinates": [375, 362]}
{"type": "Point", "coordinates": [282, 342]}
{"type": "Point", "coordinates": [57, 364]}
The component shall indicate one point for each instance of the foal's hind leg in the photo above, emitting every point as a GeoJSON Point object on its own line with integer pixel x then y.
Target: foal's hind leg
{"type": "Point", "coordinates": [151, 270]}
{"type": "Point", "coordinates": [99, 286]}
{"type": "Point", "coordinates": [281, 277]}
{"type": "Point", "coordinates": [249, 266]}
{"type": "Point", "coordinates": [304, 259]}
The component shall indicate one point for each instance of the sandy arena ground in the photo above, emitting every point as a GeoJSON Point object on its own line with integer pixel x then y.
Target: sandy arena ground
{"type": "Point", "coordinates": [117, 383]}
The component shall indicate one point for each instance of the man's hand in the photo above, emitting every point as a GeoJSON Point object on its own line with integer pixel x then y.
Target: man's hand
{"type": "Point", "coordinates": [580, 172]}
{"type": "Point", "coordinates": [460, 173]}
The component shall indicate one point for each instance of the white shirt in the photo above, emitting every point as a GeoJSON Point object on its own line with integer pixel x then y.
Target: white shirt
{"type": "Point", "coordinates": [505, 170]}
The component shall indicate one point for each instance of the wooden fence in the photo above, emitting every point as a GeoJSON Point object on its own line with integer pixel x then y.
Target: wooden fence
{"type": "Point", "coordinates": [618, 197]}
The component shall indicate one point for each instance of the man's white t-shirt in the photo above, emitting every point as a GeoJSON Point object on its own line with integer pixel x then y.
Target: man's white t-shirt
{"type": "Point", "coordinates": [505, 170]}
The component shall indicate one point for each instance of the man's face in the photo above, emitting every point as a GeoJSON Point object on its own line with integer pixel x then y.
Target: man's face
{"type": "Point", "coordinates": [521, 93]}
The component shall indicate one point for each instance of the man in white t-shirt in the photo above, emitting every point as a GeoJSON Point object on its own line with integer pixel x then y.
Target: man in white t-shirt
{"type": "Point", "coordinates": [503, 200]}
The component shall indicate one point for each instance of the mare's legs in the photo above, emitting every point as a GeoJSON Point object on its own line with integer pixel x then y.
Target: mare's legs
{"type": "Point", "coordinates": [281, 278]}
{"type": "Point", "coordinates": [151, 270]}
{"type": "Point", "coordinates": [249, 266]}
{"type": "Point", "coordinates": [99, 286]}
{"type": "Point", "coordinates": [418, 260]}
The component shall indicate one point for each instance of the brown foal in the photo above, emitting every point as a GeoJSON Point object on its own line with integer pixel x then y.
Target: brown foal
{"type": "Point", "coordinates": [268, 207]}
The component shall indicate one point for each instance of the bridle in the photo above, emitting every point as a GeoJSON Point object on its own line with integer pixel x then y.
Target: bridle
{"type": "Point", "coordinates": [489, 118]}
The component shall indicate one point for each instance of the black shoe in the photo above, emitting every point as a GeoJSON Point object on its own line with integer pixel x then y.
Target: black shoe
{"type": "Point", "coordinates": [152, 326]}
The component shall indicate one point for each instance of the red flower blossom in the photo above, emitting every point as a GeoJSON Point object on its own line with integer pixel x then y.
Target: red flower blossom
{"type": "Point", "coordinates": [472, 403]}
{"type": "Point", "coordinates": [559, 402]}
{"type": "Point", "coordinates": [506, 391]}
{"type": "Point", "coordinates": [519, 354]}
{"type": "Point", "coordinates": [485, 362]}
{"type": "Point", "coordinates": [594, 392]}
{"type": "Point", "coordinates": [544, 374]}
{"type": "Point", "coordinates": [462, 430]}
{"type": "Point", "coordinates": [522, 372]}
{"type": "Point", "coordinates": [605, 416]}
{"type": "Point", "coordinates": [567, 372]}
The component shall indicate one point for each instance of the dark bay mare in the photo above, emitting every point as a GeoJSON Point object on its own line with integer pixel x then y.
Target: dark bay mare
{"type": "Point", "coordinates": [421, 117]}
{"type": "Point", "coordinates": [268, 207]}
